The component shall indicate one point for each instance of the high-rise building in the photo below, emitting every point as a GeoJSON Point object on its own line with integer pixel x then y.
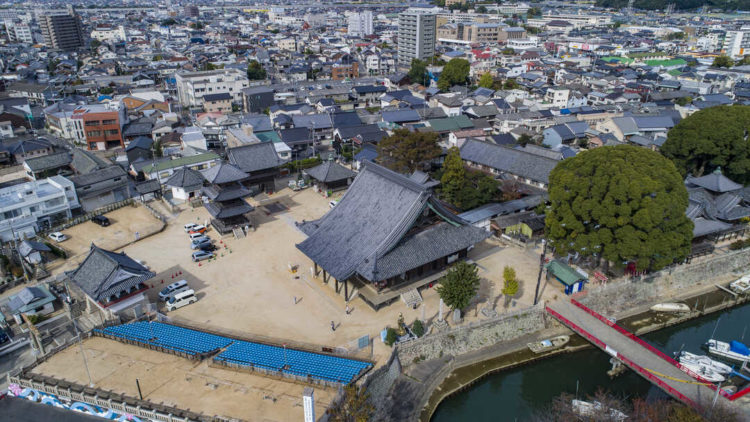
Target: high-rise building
{"type": "Point", "coordinates": [416, 35]}
{"type": "Point", "coordinates": [737, 43]}
{"type": "Point", "coordinates": [360, 24]}
{"type": "Point", "coordinates": [18, 32]}
{"type": "Point", "coordinates": [192, 11]}
{"type": "Point", "coordinates": [62, 30]}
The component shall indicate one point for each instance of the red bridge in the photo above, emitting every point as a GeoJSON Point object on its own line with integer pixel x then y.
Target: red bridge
{"type": "Point", "coordinates": [638, 355]}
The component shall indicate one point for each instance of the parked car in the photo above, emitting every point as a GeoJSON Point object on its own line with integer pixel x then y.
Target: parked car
{"type": "Point", "coordinates": [101, 220]}
{"type": "Point", "coordinates": [202, 240]}
{"type": "Point", "coordinates": [3, 337]}
{"type": "Point", "coordinates": [207, 247]}
{"type": "Point", "coordinates": [197, 229]}
{"type": "Point", "coordinates": [194, 236]}
{"type": "Point", "coordinates": [181, 299]}
{"type": "Point", "coordinates": [201, 255]}
{"type": "Point", "coordinates": [333, 203]}
{"type": "Point", "coordinates": [189, 226]}
{"type": "Point", "coordinates": [170, 290]}
{"type": "Point", "coordinates": [58, 237]}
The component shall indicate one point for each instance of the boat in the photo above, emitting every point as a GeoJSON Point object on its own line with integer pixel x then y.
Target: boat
{"type": "Point", "coordinates": [549, 344]}
{"type": "Point", "coordinates": [703, 371]}
{"type": "Point", "coordinates": [741, 285]}
{"type": "Point", "coordinates": [670, 307]}
{"type": "Point", "coordinates": [585, 408]}
{"type": "Point", "coordinates": [734, 350]}
{"type": "Point", "coordinates": [716, 366]}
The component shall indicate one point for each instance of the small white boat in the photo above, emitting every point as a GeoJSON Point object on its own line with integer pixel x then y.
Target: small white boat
{"type": "Point", "coordinates": [585, 408]}
{"type": "Point", "coordinates": [733, 350]}
{"type": "Point", "coordinates": [716, 366]}
{"type": "Point", "coordinates": [704, 371]}
{"type": "Point", "coordinates": [741, 285]}
{"type": "Point", "coordinates": [549, 344]}
{"type": "Point", "coordinates": [670, 307]}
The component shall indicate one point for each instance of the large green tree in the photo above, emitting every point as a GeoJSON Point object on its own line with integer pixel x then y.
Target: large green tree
{"type": "Point", "coordinates": [418, 72]}
{"type": "Point", "coordinates": [463, 188]}
{"type": "Point", "coordinates": [711, 138]}
{"type": "Point", "coordinates": [455, 72]}
{"type": "Point", "coordinates": [255, 71]}
{"type": "Point", "coordinates": [406, 151]}
{"type": "Point", "coordinates": [355, 406]}
{"type": "Point", "coordinates": [486, 81]}
{"type": "Point", "coordinates": [459, 285]}
{"type": "Point", "coordinates": [723, 61]}
{"type": "Point", "coordinates": [623, 204]}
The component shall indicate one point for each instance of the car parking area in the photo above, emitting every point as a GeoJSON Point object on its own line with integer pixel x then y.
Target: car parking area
{"type": "Point", "coordinates": [124, 223]}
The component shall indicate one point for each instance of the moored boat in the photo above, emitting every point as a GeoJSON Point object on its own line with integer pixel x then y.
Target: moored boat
{"type": "Point", "coordinates": [703, 371]}
{"type": "Point", "coordinates": [549, 344]}
{"type": "Point", "coordinates": [690, 358]}
{"type": "Point", "coordinates": [670, 307]}
{"type": "Point", "coordinates": [741, 285]}
{"type": "Point", "coordinates": [733, 350]}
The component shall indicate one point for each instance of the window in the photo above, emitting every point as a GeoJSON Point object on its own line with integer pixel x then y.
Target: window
{"type": "Point", "coordinates": [92, 122]}
{"type": "Point", "coordinates": [113, 132]}
{"type": "Point", "coordinates": [93, 133]}
{"type": "Point", "coordinates": [109, 122]}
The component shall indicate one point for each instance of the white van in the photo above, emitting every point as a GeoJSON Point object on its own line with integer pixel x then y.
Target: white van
{"type": "Point", "coordinates": [194, 236]}
{"type": "Point", "coordinates": [172, 288]}
{"type": "Point", "coordinates": [181, 299]}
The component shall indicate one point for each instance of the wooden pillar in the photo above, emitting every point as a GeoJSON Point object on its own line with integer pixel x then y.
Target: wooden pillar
{"type": "Point", "coordinates": [315, 266]}
{"type": "Point", "coordinates": [337, 285]}
{"type": "Point", "coordinates": [346, 290]}
{"type": "Point", "coordinates": [325, 277]}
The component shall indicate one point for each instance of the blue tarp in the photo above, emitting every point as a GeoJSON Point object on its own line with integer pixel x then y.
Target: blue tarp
{"type": "Point", "coordinates": [738, 347]}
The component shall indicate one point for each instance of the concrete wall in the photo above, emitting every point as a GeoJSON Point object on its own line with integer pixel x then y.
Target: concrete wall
{"type": "Point", "coordinates": [631, 293]}
{"type": "Point", "coordinates": [471, 337]}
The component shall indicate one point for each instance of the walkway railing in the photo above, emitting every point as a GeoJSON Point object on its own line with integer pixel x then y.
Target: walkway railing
{"type": "Point", "coordinates": [664, 386]}
{"type": "Point", "coordinates": [646, 345]}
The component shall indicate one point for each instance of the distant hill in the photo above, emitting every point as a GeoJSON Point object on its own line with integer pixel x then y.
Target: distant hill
{"type": "Point", "coordinates": [679, 4]}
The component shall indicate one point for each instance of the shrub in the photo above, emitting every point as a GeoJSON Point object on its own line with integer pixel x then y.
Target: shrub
{"type": "Point", "coordinates": [418, 328]}
{"type": "Point", "coordinates": [740, 244]}
{"type": "Point", "coordinates": [56, 251]}
{"type": "Point", "coordinates": [390, 336]}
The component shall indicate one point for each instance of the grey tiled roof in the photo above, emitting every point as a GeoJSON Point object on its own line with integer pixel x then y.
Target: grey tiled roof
{"type": "Point", "coordinates": [508, 160]}
{"type": "Point", "coordinates": [223, 173]}
{"type": "Point", "coordinates": [715, 182]}
{"type": "Point", "coordinates": [86, 162]}
{"type": "Point", "coordinates": [370, 219]}
{"type": "Point", "coordinates": [186, 178]}
{"type": "Point", "coordinates": [97, 176]}
{"type": "Point", "coordinates": [225, 193]}
{"type": "Point", "coordinates": [424, 247]}
{"type": "Point", "coordinates": [148, 186]}
{"type": "Point", "coordinates": [48, 162]}
{"type": "Point", "coordinates": [255, 157]}
{"type": "Point", "coordinates": [228, 209]}
{"type": "Point", "coordinates": [104, 273]}
{"type": "Point", "coordinates": [330, 172]}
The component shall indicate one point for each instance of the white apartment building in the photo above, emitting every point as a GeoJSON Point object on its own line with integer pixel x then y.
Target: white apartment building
{"type": "Point", "coordinates": [30, 207]}
{"type": "Point", "coordinates": [61, 121]}
{"type": "Point", "coordinates": [109, 33]}
{"type": "Point", "coordinates": [18, 32]}
{"type": "Point", "coordinates": [416, 35]}
{"type": "Point", "coordinates": [360, 24]}
{"type": "Point", "coordinates": [557, 96]}
{"type": "Point", "coordinates": [737, 43]}
{"type": "Point", "coordinates": [192, 86]}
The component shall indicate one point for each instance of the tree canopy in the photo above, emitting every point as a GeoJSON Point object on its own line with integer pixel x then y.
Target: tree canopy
{"type": "Point", "coordinates": [459, 285]}
{"type": "Point", "coordinates": [463, 188]}
{"type": "Point", "coordinates": [711, 138]}
{"type": "Point", "coordinates": [623, 204]}
{"type": "Point", "coordinates": [455, 72]}
{"type": "Point", "coordinates": [406, 151]}
{"type": "Point", "coordinates": [418, 71]}
{"type": "Point", "coordinates": [255, 71]}
{"type": "Point", "coordinates": [354, 407]}
{"type": "Point", "coordinates": [723, 61]}
{"type": "Point", "coordinates": [486, 81]}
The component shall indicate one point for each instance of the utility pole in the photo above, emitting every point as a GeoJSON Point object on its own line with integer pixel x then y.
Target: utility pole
{"type": "Point", "coordinates": [541, 268]}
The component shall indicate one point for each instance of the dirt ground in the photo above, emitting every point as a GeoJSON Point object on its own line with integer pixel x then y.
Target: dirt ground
{"type": "Point", "coordinates": [249, 287]}
{"type": "Point", "coordinates": [124, 223]}
{"type": "Point", "coordinates": [182, 383]}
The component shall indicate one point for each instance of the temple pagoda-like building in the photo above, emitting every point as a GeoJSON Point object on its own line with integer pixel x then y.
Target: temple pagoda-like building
{"type": "Point", "coordinates": [226, 192]}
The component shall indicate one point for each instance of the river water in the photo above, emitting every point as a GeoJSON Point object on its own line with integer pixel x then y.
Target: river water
{"type": "Point", "coordinates": [516, 394]}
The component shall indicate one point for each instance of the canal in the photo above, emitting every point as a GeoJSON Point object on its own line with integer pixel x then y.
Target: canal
{"type": "Point", "coordinates": [517, 394]}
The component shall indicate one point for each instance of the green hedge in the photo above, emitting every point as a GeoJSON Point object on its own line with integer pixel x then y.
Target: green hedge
{"type": "Point", "coordinates": [307, 163]}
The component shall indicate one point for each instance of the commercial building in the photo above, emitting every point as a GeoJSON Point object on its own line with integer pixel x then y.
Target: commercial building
{"type": "Point", "coordinates": [416, 35]}
{"type": "Point", "coordinates": [737, 43]}
{"type": "Point", "coordinates": [102, 124]}
{"type": "Point", "coordinates": [192, 11]}
{"type": "Point", "coordinates": [192, 86]}
{"type": "Point", "coordinates": [360, 24]}
{"type": "Point", "coordinates": [106, 32]}
{"type": "Point", "coordinates": [62, 30]}
{"type": "Point", "coordinates": [18, 32]}
{"type": "Point", "coordinates": [29, 207]}
{"type": "Point", "coordinates": [470, 33]}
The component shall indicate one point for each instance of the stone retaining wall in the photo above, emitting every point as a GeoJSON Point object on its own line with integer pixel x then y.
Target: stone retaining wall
{"type": "Point", "coordinates": [631, 293]}
{"type": "Point", "coordinates": [471, 337]}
